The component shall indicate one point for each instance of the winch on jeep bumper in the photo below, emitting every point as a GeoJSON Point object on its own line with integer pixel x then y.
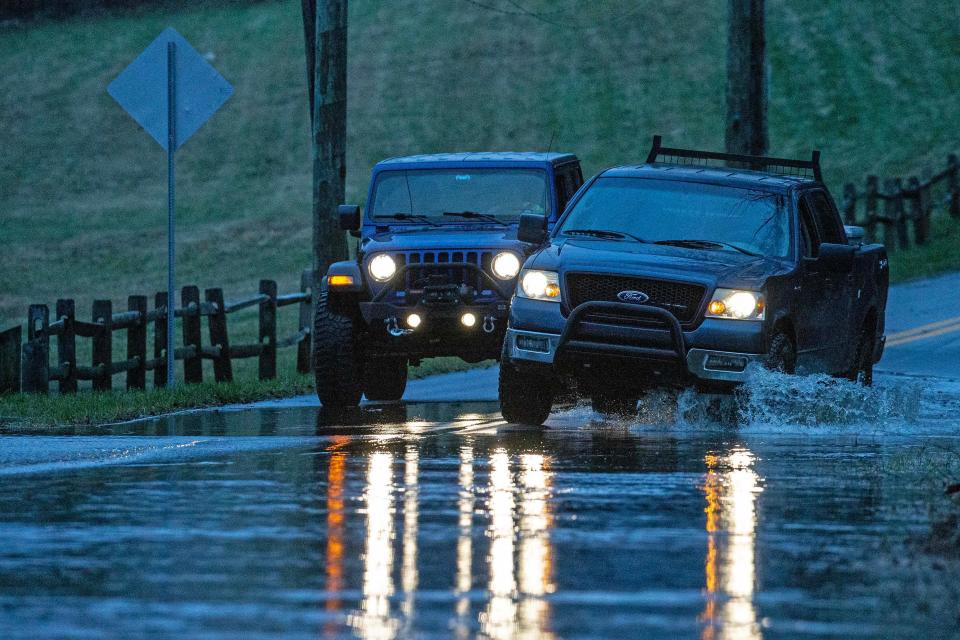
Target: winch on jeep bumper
{"type": "Point", "coordinates": [436, 266]}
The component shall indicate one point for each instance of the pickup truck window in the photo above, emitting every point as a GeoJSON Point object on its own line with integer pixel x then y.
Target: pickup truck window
{"type": "Point", "coordinates": [428, 193]}
{"type": "Point", "coordinates": [667, 210]}
{"type": "Point", "coordinates": [809, 243]}
{"type": "Point", "coordinates": [825, 217]}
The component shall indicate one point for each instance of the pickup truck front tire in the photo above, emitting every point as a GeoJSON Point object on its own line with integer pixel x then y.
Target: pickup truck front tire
{"type": "Point", "coordinates": [782, 354]}
{"type": "Point", "coordinates": [526, 396]}
{"type": "Point", "coordinates": [337, 356]}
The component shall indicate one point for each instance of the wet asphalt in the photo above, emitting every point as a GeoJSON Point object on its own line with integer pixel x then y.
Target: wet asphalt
{"type": "Point", "coordinates": [804, 511]}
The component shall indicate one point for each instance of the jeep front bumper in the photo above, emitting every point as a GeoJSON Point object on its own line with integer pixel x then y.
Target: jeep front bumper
{"type": "Point", "coordinates": [674, 353]}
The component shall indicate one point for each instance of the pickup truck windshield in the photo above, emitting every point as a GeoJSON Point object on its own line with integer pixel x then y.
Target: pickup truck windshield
{"type": "Point", "coordinates": [691, 214]}
{"type": "Point", "coordinates": [431, 193]}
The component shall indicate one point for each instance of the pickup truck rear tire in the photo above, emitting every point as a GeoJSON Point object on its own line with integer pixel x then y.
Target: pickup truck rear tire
{"type": "Point", "coordinates": [526, 396]}
{"type": "Point", "coordinates": [861, 370]}
{"type": "Point", "coordinates": [385, 379]}
{"type": "Point", "coordinates": [782, 355]}
{"type": "Point", "coordinates": [337, 356]}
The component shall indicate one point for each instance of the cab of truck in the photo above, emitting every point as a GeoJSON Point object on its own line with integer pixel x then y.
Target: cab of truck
{"type": "Point", "coordinates": [436, 266]}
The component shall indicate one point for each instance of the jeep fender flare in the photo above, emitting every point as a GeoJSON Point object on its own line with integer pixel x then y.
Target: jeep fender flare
{"type": "Point", "coordinates": [344, 268]}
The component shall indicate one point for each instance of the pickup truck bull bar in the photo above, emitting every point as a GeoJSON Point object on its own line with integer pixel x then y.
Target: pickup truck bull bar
{"type": "Point", "coordinates": [568, 341]}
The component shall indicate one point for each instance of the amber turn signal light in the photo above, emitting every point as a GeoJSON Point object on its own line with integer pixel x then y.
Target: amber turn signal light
{"type": "Point", "coordinates": [339, 281]}
{"type": "Point", "coordinates": [717, 307]}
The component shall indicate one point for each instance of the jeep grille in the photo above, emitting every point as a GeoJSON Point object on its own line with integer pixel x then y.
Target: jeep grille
{"type": "Point", "coordinates": [679, 298]}
{"type": "Point", "coordinates": [483, 259]}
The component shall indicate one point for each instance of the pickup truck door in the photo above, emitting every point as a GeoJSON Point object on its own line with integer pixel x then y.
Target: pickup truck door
{"type": "Point", "coordinates": [825, 297]}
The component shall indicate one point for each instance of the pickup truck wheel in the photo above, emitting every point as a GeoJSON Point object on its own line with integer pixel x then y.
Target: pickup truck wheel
{"type": "Point", "coordinates": [782, 355]}
{"type": "Point", "coordinates": [385, 379]}
{"type": "Point", "coordinates": [862, 368]}
{"type": "Point", "coordinates": [613, 405]}
{"type": "Point", "coordinates": [526, 396]}
{"type": "Point", "coordinates": [337, 356]}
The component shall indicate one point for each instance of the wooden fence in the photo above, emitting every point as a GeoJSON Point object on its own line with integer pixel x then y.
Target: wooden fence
{"type": "Point", "coordinates": [27, 367]}
{"type": "Point", "coordinates": [904, 205]}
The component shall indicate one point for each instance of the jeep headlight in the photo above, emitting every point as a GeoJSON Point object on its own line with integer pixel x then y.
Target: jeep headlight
{"type": "Point", "coordinates": [735, 304]}
{"type": "Point", "coordinates": [506, 265]}
{"type": "Point", "coordinates": [382, 267]}
{"type": "Point", "coordinates": [540, 285]}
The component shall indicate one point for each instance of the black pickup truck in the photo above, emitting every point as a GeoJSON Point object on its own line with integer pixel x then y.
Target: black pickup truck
{"type": "Point", "coordinates": [686, 270]}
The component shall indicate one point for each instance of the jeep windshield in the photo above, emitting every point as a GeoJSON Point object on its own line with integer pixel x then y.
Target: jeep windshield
{"type": "Point", "coordinates": [459, 195]}
{"type": "Point", "coordinates": [685, 214]}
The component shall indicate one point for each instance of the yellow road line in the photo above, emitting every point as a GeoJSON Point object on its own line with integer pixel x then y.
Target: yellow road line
{"type": "Point", "coordinates": [932, 330]}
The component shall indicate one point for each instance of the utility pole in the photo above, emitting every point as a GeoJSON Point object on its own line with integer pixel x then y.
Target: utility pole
{"type": "Point", "coordinates": [325, 35]}
{"type": "Point", "coordinates": [746, 79]}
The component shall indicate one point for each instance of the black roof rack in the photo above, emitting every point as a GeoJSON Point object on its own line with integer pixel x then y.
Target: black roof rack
{"type": "Point", "coordinates": [779, 166]}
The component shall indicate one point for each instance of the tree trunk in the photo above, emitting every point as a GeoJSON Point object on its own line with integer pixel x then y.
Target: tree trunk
{"type": "Point", "coordinates": [746, 81]}
{"type": "Point", "coordinates": [326, 45]}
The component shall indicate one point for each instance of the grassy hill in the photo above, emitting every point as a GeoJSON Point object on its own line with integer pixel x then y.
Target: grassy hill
{"type": "Point", "coordinates": [82, 188]}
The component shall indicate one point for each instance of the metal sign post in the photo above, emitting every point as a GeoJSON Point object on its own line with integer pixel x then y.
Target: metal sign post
{"type": "Point", "coordinates": [170, 90]}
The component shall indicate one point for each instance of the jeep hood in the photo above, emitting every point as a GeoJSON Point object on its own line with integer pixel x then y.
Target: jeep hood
{"type": "Point", "coordinates": [433, 238]}
{"type": "Point", "coordinates": [711, 268]}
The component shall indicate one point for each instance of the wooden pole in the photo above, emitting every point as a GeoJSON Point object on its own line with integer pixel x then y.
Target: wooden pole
{"type": "Point", "coordinates": [36, 350]}
{"type": "Point", "coordinates": [746, 131]}
{"type": "Point", "coordinates": [268, 331]}
{"type": "Point", "coordinates": [953, 178]}
{"type": "Point", "coordinates": [137, 343]}
{"type": "Point", "coordinates": [328, 104]}
{"type": "Point", "coordinates": [192, 334]}
{"type": "Point", "coordinates": [217, 324]}
{"type": "Point", "coordinates": [10, 360]}
{"type": "Point", "coordinates": [103, 344]}
{"type": "Point", "coordinates": [67, 346]}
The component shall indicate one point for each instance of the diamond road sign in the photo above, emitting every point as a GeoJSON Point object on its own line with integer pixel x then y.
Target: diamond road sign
{"type": "Point", "coordinates": [141, 89]}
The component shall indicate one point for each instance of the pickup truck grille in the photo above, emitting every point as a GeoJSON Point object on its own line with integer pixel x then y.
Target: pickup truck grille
{"type": "Point", "coordinates": [679, 298]}
{"type": "Point", "coordinates": [483, 259]}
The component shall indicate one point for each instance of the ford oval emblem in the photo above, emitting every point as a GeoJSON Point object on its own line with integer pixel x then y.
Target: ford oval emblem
{"type": "Point", "coordinates": [635, 297]}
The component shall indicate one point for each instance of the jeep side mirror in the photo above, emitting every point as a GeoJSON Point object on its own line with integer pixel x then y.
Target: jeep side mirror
{"type": "Point", "coordinates": [837, 258]}
{"type": "Point", "coordinates": [532, 229]}
{"type": "Point", "coordinates": [349, 217]}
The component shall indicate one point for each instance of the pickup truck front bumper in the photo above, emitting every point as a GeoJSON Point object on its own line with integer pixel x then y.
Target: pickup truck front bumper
{"type": "Point", "coordinates": [666, 350]}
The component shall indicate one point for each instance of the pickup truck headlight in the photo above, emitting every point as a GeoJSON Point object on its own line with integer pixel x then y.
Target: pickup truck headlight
{"type": "Point", "coordinates": [735, 304]}
{"type": "Point", "coordinates": [539, 285]}
{"type": "Point", "coordinates": [506, 265]}
{"type": "Point", "coordinates": [382, 267]}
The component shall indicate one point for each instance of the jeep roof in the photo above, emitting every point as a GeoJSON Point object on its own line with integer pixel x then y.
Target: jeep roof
{"type": "Point", "coordinates": [481, 157]}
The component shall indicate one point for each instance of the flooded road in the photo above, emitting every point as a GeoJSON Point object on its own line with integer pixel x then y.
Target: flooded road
{"type": "Point", "coordinates": [437, 520]}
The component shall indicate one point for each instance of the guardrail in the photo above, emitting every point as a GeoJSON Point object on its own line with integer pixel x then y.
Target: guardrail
{"type": "Point", "coordinates": [904, 204]}
{"type": "Point", "coordinates": [27, 367]}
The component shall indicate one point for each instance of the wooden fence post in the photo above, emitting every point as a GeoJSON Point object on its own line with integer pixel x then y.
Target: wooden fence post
{"type": "Point", "coordinates": [160, 341]}
{"type": "Point", "coordinates": [306, 322]}
{"type": "Point", "coordinates": [67, 346]}
{"type": "Point", "coordinates": [889, 215]}
{"type": "Point", "coordinates": [103, 345]}
{"type": "Point", "coordinates": [953, 166]}
{"type": "Point", "coordinates": [926, 199]}
{"type": "Point", "coordinates": [871, 206]}
{"type": "Point", "coordinates": [217, 324]}
{"type": "Point", "coordinates": [917, 213]}
{"type": "Point", "coordinates": [192, 334]}
{"type": "Point", "coordinates": [10, 360]}
{"type": "Point", "coordinates": [900, 215]}
{"type": "Point", "coordinates": [137, 343]}
{"type": "Point", "coordinates": [36, 351]}
{"type": "Point", "coordinates": [849, 204]}
{"type": "Point", "coordinates": [268, 331]}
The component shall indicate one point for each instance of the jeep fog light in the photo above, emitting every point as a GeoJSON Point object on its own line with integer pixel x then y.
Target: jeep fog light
{"type": "Point", "coordinates": [414, 320]}
{"type": "Point", "coordinates": [468, 319]}
{"type": "Point", "coordinates": [382, 267]}
{"type": "Point", "coordinates": [506, 265]}
{"type": "Point", "coordinates": [734, 304]}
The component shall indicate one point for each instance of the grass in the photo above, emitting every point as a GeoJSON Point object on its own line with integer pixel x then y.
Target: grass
{"type": "Point", "coordinates": [941, 254]}
{"type": "Point", "coordinates": [82, 188]}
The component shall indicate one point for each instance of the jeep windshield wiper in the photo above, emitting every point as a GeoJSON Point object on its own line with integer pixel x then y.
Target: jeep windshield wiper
{"type": "Point", "coordinates": [407, 216]}
{"type": "Point", "coordinates": [706, 244]}
{"type": "Point", "coordinates": [477, 216]}
{"type": "Point", "coordinates": [603, 233]}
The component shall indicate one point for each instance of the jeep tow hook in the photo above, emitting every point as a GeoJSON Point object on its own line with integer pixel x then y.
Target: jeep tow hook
{"type": "Point", "coordinates": [489, 324]}
{"type": "Point", "coordinates": [394, 329]}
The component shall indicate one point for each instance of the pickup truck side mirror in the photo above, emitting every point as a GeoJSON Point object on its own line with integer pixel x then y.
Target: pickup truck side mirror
{"type": "Point", "coordinates": [836, 258]}
{"type": "Point", "coordinates": [532, 229]}
{"type": "Point", "coordinates": [855, 235]}
{"type": "Point", "coordinates": [349, 217]}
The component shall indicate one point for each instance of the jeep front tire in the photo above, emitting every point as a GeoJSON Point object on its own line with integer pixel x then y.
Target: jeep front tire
{"type": "Point", "coordinates": [385, 379]}
{"type": "Point", "coordinates": [337, 355]}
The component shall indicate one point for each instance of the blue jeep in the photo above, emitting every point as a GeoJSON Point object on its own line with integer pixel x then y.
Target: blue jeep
{"type": "Point", "coordinates": [436, 266]}
{"type": "Point", "coordinates": [684, 270]}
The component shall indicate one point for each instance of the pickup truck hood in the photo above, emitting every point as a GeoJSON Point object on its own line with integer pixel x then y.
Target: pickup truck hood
{"type": "Point", "coordinates": [439, 238]}
{"type": "Point", "coordinates": [710, 268]}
